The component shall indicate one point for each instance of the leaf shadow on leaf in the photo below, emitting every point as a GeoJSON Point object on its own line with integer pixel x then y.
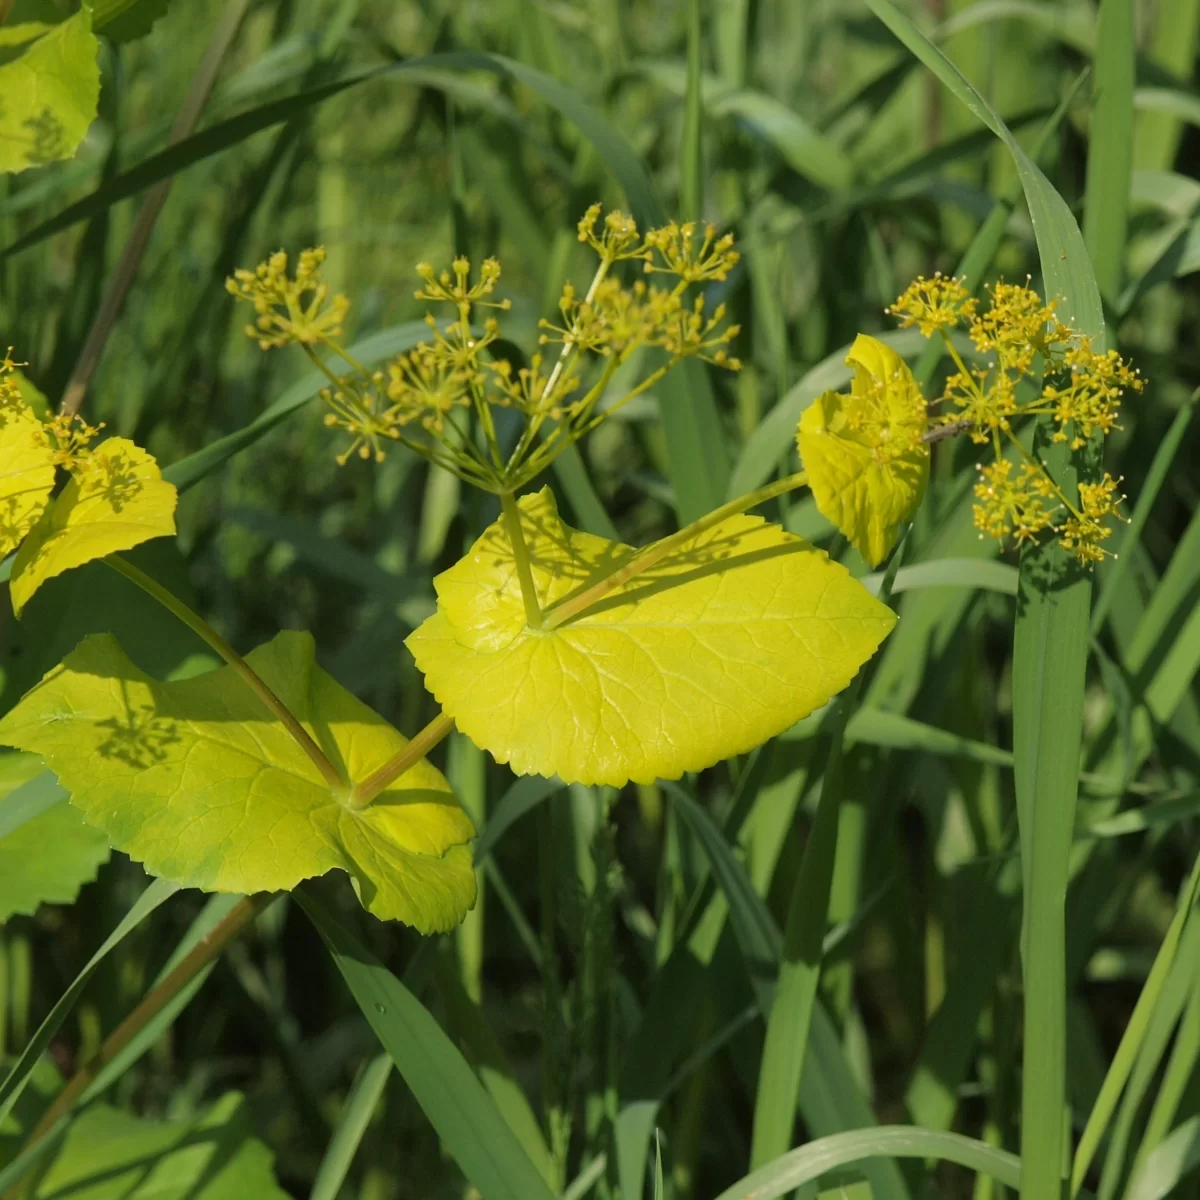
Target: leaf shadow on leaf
{"type": "Point", "coordinates": [144, 734]}
{"type": "Point", "coordinates": [700, 563]}
{"type": "Point", "coordinates": [140, 738]}
{"type": "Point", "coordinates": [1044, 572]}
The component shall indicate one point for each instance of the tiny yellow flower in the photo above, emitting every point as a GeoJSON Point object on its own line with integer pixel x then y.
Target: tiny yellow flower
{"type": "Point", "coordinates": [297, 309]}
{"type": "Point", "coordinates": [932, 304]}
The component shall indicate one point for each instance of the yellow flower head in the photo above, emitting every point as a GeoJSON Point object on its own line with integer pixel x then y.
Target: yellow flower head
{"type": "Point", "coordinates": [932, 304]}
{"type": "Point", "coordinates": [297, 309]}
{"type": "Point", "coordinates": [71, 437]}
{"type": "Point", "coordinates": [1017, 502]}
{"type": "Point", "coordinates": [691, 254]}
{"type": "Point", "coordinates": [615, 238]}
{"type": "Point", "coordinates": [455, 286]}
{"type": "Point", "coordinates": [1084, 534]}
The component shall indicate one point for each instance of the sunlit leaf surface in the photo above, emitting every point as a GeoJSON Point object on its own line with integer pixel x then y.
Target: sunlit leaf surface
{"type": "Point", "coordinates": [716, 648]}
{"type": "Point", "coordinates": [197, 780]}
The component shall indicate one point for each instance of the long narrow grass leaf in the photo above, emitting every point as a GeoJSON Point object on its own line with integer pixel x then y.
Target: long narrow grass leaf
{"type": "Point", "coordinates": [448, 1091]}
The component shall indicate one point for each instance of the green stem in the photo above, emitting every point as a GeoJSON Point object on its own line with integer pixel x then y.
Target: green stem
{"type": "Point", "coordinates": [204, 952]}
{"type": "Point", "coordinates": [512, 521]}
{"type": "Point", "coordinates": [643, 560]}
{"type": "Point", "coordinates": [198, 625]}
{"type": "Point", "coordinates": [363, 793]}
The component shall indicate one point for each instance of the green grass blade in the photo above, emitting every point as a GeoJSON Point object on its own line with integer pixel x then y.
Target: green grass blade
{"type": "Point", "coordinates": [10, 1090]}
{"type": "Point", "coordinates": [830, 1099]}
{"type": "Point", "coordinates": [356, 1116]}
{"type": "Point", "coordinates": [697, 460]}
{"type": "Point", "coordinates": [1171, 47]}
{"type": "Point", "coordinates": [1164, 457]}
{"type": "Point", "coordinates": [980, 573]}
{"type": "Point", "coordinates": [1131, 1040]}
{"type": "Point", "coordinates": [145, 1039]}
{"type": "Point", "coordinates": [471, 1031]}
{"type": "Point", "coordinates": [34, 797]}
{"type": "Point", "coordinates": [790, 1018]}
{"type": "Point", "coordinates": [1179, 1070]}
{"type": "Point", "coordinates": [1110, 146]}
{"type": "Point", "coordinates": [448, 1091]}
{"type": "Point", "coordinates": [810, 1162]}
{"type": "Point", "coordinates": [1164, 1017]}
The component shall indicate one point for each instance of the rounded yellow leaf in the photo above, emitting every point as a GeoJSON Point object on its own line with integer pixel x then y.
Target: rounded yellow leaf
{"type": "Point", "coordinates": [115, 501]}
{"type": "Point", "coordinates": [26, 475]}
{"type": "Point", "coordinates": [719, 646]}
{"type": "Point", "coordinates": [195, 779]}
{"type": "Point", "coordinates": [867, 465]}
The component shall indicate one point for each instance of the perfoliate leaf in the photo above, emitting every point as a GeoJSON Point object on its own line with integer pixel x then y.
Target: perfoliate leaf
{"type": "Point", "coordinates": [109, 1154]}
{"type": "Point", "coordinates": [49, 95]}
{"type": "Point", "coordinates": [196, 780]}
{"type": "Point", "coordinates": [867, 465]}
{"type": "Point", "coordinates": [116, 500]}
{"type": "Point", "coordinates": [26, 475]}
{"type": "Point", "coordinates": [718, 647]}
{"type": "Point", "coordinates": [47, 850]}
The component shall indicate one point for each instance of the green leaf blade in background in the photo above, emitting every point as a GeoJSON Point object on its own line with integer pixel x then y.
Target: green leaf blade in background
{"type": "Point", "coordinates": [34, 817]}
{"type": "Point", "coordinates": [451, 1096]}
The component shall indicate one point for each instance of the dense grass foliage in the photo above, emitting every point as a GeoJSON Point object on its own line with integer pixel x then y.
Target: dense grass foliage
{"type": "Point", "coordinates": [999, 959]}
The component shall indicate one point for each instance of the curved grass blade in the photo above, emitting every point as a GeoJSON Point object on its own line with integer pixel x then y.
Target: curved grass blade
{"type": "Point", "coordinates": [1133, 1037]}
{"type": "Point", "coordinates": [448, 1091]}
{"type": "Point", "coordinates": [810, 1162]}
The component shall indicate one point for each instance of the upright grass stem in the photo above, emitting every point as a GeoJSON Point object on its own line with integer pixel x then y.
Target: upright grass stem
{"type": "Point", "coordinates": [253, 681]}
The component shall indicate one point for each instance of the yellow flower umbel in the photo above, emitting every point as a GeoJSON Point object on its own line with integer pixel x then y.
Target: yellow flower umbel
{"type": "Point", "coordinates": [438, 399]}
{"type": "Point", "coordinates": [1018, 335]}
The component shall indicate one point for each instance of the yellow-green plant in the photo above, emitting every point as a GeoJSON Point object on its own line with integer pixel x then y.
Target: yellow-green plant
{"type": "Point", "coordinates": [867, 451]}
{"type": "Point", "coordinates": [557, 651]}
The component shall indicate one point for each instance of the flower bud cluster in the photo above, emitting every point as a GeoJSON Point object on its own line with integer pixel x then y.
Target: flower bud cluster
{"type": "Point", "coordinates": [1021, 341]}
{"type": "Point", "coordinates": [438, 398]}
{"type": "Point", "coordinates": [290, 309]}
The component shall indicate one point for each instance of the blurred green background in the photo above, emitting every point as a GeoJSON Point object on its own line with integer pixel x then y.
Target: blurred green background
{"type": "Point", "coordinates": [844, 169]}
